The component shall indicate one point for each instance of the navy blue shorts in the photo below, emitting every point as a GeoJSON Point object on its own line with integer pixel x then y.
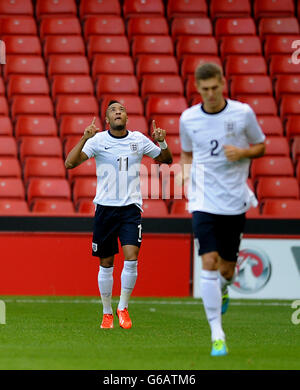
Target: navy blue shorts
{"type": "Point", "coordinates": [219, 233]}
{"type": "Point", "coordinates": [113, 223]}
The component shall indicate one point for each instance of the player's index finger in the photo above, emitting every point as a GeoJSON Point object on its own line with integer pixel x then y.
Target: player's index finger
{"type": "Point", "coordinates": [154, 124]}
{"type": "Point", "coordinates": [93, 121]}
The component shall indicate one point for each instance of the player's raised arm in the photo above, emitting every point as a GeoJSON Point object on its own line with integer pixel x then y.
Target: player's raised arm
{"type": "Point", "coordinates": [76, 156]}
{"type": "Point", "coordinates": [159, 136]}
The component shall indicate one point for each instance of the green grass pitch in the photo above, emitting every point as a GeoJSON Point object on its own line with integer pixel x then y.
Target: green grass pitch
{"type": "Point", "coordinates": [63, 333]}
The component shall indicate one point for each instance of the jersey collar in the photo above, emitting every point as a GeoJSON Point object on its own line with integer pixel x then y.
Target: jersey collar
{"type": "Point", "coordinates": [123, 136]}
{"type": "Point", "coordinates": [214, 113]}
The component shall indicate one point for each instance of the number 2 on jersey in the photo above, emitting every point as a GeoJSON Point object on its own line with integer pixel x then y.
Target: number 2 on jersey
{"type": "Point", "coordinates": [214, 143]}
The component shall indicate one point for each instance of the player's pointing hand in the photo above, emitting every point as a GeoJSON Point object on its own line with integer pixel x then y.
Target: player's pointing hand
{"type": "Point", "coordinates": [158, 133]}
{"type": "Point", "coordinates": [91, 130]}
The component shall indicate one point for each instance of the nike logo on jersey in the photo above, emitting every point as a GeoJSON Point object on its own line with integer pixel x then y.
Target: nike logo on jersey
{"type": "Point", "coordinates": [107, 147]}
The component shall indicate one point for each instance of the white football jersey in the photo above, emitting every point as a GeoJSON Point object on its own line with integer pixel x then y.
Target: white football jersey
{"type": "Point", "coordinates": [118, 161]}
{"type": "Point", "coordinates": [217, 185]}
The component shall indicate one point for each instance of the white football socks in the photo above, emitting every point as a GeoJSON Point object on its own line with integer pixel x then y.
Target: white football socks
{"type": "Point", "coordinates": [128, 279]}
{"type": "Point", "coordinates": [212, 301]}
{"type": "Point", "coordinates": [105, 283]}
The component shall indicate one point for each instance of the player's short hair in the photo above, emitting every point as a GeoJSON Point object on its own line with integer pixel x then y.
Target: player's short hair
{"type": "Point", "coordinates": [207, 71]}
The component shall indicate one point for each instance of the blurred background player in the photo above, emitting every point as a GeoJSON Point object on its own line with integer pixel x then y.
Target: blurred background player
{"type": "Point", "coordinates": [219, 138]}
{"type": "Point", "coordinates": [118, 153]}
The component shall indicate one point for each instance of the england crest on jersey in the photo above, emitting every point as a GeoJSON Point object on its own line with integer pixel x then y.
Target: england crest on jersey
{"type": "Point", "coordinates": [133, 147]}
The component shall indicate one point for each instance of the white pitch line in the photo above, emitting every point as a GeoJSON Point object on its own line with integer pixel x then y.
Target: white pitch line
{"type": "Point", "coordinates": [142, 302]}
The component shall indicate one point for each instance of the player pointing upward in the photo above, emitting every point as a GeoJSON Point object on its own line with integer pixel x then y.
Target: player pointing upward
{"type": "Point", "coordinates": [118, 153]}
{"type": "Point", "coordinates": [222, 136]}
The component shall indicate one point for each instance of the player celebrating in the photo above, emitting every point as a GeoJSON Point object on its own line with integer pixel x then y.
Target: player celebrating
{"type": "Point", "coordinates": [219, 138]}
{"type": "Point", "coordinates": [118, 153]}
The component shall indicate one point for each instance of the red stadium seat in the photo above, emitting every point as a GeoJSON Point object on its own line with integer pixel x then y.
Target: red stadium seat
{"type": "Point", "coordinates": [43, 167]}
{"type": "Point", "coordinates": [245, 64]}
{"type": "Point", "coordinates": [261, 105]}
{"type": "Point", "coordinates": [137, 8]}
{"type": "Point", "coordinates": [137, 123]}
{"type": "Point", "coordinates": [48, 188]}
{"type": "Point", "coordinates": [282, 64]}
{"type": "Point", "coordinates": [238, 45]}
{"type": "Point", "coordinates": [292, 126]}
{"type": "Point", "coordinates": [74, 125]}
{"type": "Point", "coordinates": [12, 188]}
{"type": "Point", "coordinates": [150, 187]}
{"type": "Point", "coordinates": [39, 146]}
{"type": "Point", "coordinates": [112, 64]}
{"type": "Point", "coordinates": [295, 149]}
{"type": "Point", "coordinates": [156, 64]}
{"type": "Point", "coordinates": [13, 207]}
{"type": "Point", "coordinates": [30, 105]}
{"type": "Point", "coordinates": [5, 126]}
{"type": "Point", "coordinates": [149, 167]}
{"type": "Point", "coordinates": [287, 208]}
{"type": "Point", "coordinates": [290, 105]}
{"type": "Point", "coordinates": [86, 207]}
{"type": "Point", "coordinates": [22, 44]}
{"type": "Point", "coordinates": [59, 26]}
{"type": "Point", "coordinates": [191, 26]}
{"type": "Point", "coordinates": [271, 125]}
{"type": "Point", "coordinates": [119, 84]}
{"type": "Point", "coordinates": [107, 44]}
{"type": "Point", "coordinates": [190, 63]}
{"type": "Point", "coordinates": [286, 85]}
{"type": "Point", "coordinates": [63, 44]}
{"type": "Point", "coordinates": [298, 171]}
{"type": "Point", "coordinates": [185, 9]}
{"type": "Point", "coordinates": [279, 25]}
{"type": "Point", "coordinates": [230, 8]}
{"type": "Point", "coordinates": [161, 84]}
{"type": "Point", "coordinates": [3, 106]}
{"type": "Point", "coordinates": [94, 7]}
{"type": "Point", "coordinates": [147, 26]}
{"type": "Point", "coordinates": [18, 25]}
{"type": "Point", "coordinates": [152, 44]}
{"type": "Point", "coordinates": [67, 64]}
{"type": "Point", "coordinates": [168, 122]}
{"type": "Point", "coordinates": [27, 85]}
{"type": "Point", "coordinates": [179, 208]}
{"type": "Point", "coordinates": [165, 105]}
{"type": "Point", "coordinates": [9, 167]}
{"type": "Point", "coordinates": [271, 166]}
{"type": "Point", "coordinates": [53, 206]}
{"type": "Point", "coordinates": [277, 146]}
{"type": "Point", "coordinates": [132, 103]}
{"type": "Point", "coordinates": [253, 212]}
{"type": "Point", "coordinates": [154, 208]}
{"type": "Point", "coordinates": [277, 187]}
{"type": "Point", "coordinates": [76, 105]}
{"type": "Point", "coordinates": [104, 25]}
{"type": "Point", "coordinates": [24, 64]}
{"type": "Point", "coordinates": [32, 125]}
{"type": "Point", "coordinates": [2, 87]}
{"type": "Point", "coordinates": [71, 84]}
{"type": "Point", "coordinates": [234, 26]}
{"type": "Point", "coordinates": [84, 189]}
{"type": "Point", "coordinates": [271, 8]}
{"type": "Point", "coordinates": [248, 85]}
{"type": "Point", "coordinates": [69, 142]}
{"type": "Point", "coordinates": [87, 169]}
{"type": "Point", "coordinates": [279, 44]}
{"type": "Point", "coordinates": [174, 144]}
{"type": "Point", "coordinates": [8, 146]}
{"type": "Point", "coordinates": [16, 7]}
{"type": "Point", "coordinates": [190, 45]}
{"type": "Point", "coordinates": [49, 8]}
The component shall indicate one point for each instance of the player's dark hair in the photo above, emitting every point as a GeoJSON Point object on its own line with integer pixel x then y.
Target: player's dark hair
{"type": "Point", "coordinates": [208, 71]}
{"type": "Point", "coordinates": [112, 102]}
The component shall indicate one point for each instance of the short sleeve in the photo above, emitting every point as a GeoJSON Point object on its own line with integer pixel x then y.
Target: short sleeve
{"type": "Point", "coordinates": [90, 147]}
{"type": "Point", "coordinates": [186, 143]}
{"type": "Point", "coordinates": [149, 148]}
{"type": "Point", "coordinates": [254, 132]}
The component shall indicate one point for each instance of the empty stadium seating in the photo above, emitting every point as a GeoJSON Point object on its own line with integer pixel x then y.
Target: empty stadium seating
{"type": "Point", "coordinates": [65, 60]}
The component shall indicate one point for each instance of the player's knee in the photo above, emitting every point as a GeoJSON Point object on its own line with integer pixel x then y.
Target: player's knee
{"type": "Point", "coordinates": [107, 262]}
{"type": "Point", "coordinates": [210, 261]}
